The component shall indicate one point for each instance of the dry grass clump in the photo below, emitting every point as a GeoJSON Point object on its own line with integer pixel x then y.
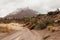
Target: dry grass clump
{"type": "Point", "coordinates": [10, 27]}
{"type": "Point", "coordinates": [4, 28]}
{"type": "Point", "coordinates": [52, 28]}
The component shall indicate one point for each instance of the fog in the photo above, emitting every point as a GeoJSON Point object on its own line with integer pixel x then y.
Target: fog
{"type": "Point", "coordinates": [42, 6]}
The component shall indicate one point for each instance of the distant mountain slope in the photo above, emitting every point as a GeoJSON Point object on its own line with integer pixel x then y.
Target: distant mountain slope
{"type": "Point", "coordinates": [26, 12]}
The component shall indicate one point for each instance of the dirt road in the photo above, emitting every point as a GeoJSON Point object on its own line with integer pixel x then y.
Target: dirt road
{"type": "Point", "coordinates": [24, 34]}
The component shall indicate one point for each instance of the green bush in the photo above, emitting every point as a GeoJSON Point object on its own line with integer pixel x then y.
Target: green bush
{"type": "Point", "coordinates": [33, 20]}
{"type": "Point", "coordinates": [40, 26]}
{"type": "Point", "coordinates": [26, 19]}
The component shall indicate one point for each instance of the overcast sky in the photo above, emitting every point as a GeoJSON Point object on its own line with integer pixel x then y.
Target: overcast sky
{"type": "Point", "coordinates": [42, 6]}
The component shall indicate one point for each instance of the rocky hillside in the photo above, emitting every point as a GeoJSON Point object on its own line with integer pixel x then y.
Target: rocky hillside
{"type": "Point", "coordinates": [41, 27]}
{"type": "Point", "coordinates": [41, 21]}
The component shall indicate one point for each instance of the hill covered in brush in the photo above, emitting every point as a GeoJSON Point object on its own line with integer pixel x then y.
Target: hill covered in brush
{"type": "Point", "coordinates": [21, 13]}
{"type": "Point", "coordinates": [39, 21]}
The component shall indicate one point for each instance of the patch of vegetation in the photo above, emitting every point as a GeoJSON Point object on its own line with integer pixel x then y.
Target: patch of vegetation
{"type": "Point", "coordinates": [41, 21]}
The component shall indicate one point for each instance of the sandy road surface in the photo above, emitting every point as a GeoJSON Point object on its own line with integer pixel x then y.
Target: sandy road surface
{"type": "Point", "coordinates": [24, 34]}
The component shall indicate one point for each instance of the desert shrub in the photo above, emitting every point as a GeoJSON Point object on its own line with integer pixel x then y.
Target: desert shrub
{"type": "Point", "coordinates": [33, 20]}
{"type": "Point", "coordinates": [13, 21]}
{"type": "Point", "coordinates": [40, 26]}
{"type": "Point", "coordinates": [5, 29]}
{"type": "Point", "coordinates": [41, 23]}
{"type": "Point", "coordinates": [26, 19]}
{"type": "Point", "coordinates": [52, 28]}
{"type": "Point", "coordinates": [37, 27]}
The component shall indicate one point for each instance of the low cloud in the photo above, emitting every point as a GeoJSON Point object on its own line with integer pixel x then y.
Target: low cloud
{"type": "Point", "coordinates": [42, 6]}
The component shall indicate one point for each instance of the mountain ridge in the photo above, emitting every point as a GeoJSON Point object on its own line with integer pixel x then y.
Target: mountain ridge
{"type": "Point", "coordinates": [22, 13]}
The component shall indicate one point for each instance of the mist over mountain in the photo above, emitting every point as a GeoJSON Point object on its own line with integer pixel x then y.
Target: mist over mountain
{"type": "Point", "coordinates": [20, 13]}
